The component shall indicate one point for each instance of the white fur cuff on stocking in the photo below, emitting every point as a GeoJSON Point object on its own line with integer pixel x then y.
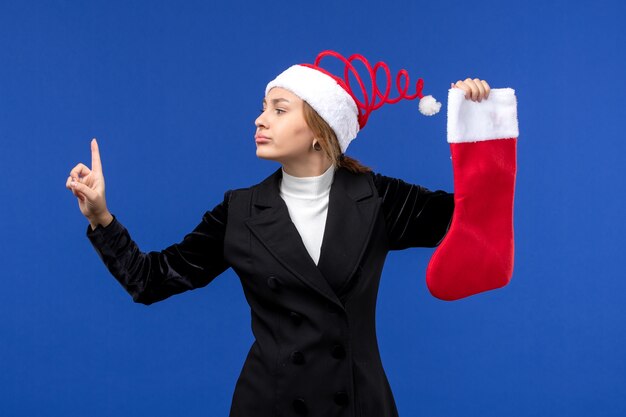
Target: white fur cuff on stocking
{"type": "Point", "coordinates": [493, 118]}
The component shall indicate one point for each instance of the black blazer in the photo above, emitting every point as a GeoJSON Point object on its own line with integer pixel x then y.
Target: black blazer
{"type": "Point", "coordinates": [315, 351]}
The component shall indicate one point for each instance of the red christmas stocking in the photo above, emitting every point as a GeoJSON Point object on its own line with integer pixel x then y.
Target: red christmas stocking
{"type": "Point", "coordinates": [476, 254]}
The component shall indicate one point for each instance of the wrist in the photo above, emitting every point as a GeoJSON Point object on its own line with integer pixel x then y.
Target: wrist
{"type": "Point", "coordinates": [104, 219]}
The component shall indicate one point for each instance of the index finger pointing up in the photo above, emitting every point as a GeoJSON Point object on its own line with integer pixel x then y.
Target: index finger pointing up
{"type": "Point", "coordinates": [96, 164]}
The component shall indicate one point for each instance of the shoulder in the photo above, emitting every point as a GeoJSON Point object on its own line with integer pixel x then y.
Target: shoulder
{"type": "Point", "coordinates": [384, 183]}
{"type": "Point", "coordinates": [267, 181]}
{"type": "Point", "coordinates": [393, 189]}
{"type": "Point", "coordinates": [261, 192]}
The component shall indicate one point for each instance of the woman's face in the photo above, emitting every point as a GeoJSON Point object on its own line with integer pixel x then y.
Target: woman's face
{"type": "Point", "coordinates": [282, 134]}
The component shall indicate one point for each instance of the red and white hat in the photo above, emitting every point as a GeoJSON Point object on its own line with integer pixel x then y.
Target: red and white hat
{"type": "Point", "coordinates": [333, 99]}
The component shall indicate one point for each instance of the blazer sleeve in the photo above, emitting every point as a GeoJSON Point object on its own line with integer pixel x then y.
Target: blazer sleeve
{"type": "Point", "coordinates": [150, 277]}
{"type": "Point", "coordinates": [414, 215]}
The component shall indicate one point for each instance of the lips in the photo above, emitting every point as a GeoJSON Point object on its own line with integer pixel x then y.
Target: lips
{"type": "Point", "coordinates": [261, 139]}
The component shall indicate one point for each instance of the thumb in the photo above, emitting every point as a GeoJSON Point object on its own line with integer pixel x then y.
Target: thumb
{"type": "Point", "coordinates": [81, 188]}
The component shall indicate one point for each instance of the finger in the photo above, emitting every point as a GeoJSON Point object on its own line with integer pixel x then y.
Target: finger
{"type": "Point", "coordinates": [84, 190]}
{"type": "Point", "coordinates": [80, 170]}
{"type": "Point", "coordinates": [70, 180]}
{"type": "Point", "coordinates": [473, 88]}
{"type": "Point", "coordinates": [464, 87]}
{"type": "Point", "coordinates": [487, 88]}
{"type": "Point", "coordinates": [96, 163]}
{"type": "Point", "coordinates": [79, 196]}
{"type": "Point", "coordinates": [481, 89]}
{"type": "Point", "coordinates": [70, 186]}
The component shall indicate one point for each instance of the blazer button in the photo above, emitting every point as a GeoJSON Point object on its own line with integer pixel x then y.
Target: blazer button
{"type": "Point", "coordinates": [297, 357]}
{"type": "Point", "coordinates": [338, 352]}
{"type": "Point", "coordinates": [295, 317]}
{"type": "Point", "coordinates": [341, 398]}
{"type": "Point", "coordinates": [299, 406]}
{"type": "Point", "coordinates": [273, 283]}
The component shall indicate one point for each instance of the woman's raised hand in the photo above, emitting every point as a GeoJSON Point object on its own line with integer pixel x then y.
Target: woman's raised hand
{"type": "Point", "coordinates": [88, 187]}
{"type": "Point", "coordinates": [475, 89]}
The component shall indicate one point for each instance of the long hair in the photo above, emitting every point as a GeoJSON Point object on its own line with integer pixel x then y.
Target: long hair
{"type": "Point", "coordinates": [328, 141]}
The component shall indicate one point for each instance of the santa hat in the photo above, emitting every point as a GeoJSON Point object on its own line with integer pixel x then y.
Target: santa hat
{"type": "Point", "coordinates": [333, 99]}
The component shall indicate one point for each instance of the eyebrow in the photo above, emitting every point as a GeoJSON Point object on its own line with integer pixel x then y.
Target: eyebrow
{"type": "Point", "coordinates": [276, 100]}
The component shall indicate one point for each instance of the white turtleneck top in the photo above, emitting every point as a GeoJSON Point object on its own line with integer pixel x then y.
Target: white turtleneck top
{"type": "Point", "coordinates": [307, 202]}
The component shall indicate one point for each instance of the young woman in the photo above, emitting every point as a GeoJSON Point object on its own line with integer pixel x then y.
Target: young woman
{"type": "Point", "coordinates": [308, 244]}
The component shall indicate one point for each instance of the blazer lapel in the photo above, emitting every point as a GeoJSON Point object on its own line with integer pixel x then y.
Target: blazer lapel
{"type": "Point", "coordinates": [352, 210]}
{"type": "Point", "coordinates": [271, 224]}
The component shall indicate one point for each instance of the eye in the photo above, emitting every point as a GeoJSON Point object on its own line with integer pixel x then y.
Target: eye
{"type": "Point", "coordinates": [279, 111]}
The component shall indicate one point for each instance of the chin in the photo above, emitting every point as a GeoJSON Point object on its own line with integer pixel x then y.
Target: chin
{"type": "Point", "coordinates": [264, 154]}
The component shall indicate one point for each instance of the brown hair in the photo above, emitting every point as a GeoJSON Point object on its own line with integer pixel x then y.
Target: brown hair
{"type": "Point", "coordinates": [328, 140]}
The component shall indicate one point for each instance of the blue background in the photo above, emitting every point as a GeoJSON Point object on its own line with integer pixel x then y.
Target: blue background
{"type": "Point", "coordinates": [171, 90]}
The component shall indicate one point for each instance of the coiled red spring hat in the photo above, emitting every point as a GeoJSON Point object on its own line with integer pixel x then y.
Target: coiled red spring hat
{"type": "Point", "coordinates": [333, 98]}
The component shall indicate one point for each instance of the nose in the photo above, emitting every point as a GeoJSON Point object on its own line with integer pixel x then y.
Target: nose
{"type": "Point", "coordinates": [260, 121]}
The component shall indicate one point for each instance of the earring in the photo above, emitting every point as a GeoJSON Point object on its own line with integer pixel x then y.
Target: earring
{"type": "Point", "coordinates": [317, 146]}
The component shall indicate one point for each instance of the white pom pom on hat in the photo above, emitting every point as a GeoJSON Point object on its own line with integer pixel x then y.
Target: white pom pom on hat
{"type": "Point", "coordinates": [429, 106]}
{"type": "Point", "coordinates": [333, 99]}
